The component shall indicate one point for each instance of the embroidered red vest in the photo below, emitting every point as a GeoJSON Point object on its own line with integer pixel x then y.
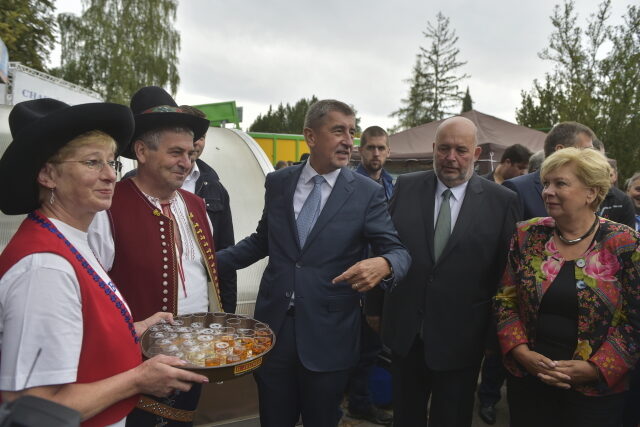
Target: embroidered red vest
{"type": "Point", "coordinates": [109, 342]}
{"type": "Point", "coordinates": [144, 266]}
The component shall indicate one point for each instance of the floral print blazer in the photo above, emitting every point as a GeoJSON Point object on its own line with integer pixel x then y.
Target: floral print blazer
{"type": "Point", "coordinates": [608, 283]}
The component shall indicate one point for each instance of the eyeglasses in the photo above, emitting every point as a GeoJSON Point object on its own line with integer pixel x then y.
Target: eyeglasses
{"type": "Point", "coordinates": [97, 165]}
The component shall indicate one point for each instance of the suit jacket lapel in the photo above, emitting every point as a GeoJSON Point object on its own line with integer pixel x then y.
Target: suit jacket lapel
{"type": "Point", "coordinates": [470, 205]}
{"type": "Point", "coordinates": [339, 195]}
{"type": "Point", "coordinates": [427, 206]}
{"type": "Point", "coordinates": [289, 191]}
{"type": "Point", "coordinates": [538, 186]}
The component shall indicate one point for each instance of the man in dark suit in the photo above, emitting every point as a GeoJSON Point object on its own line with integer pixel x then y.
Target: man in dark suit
{"type": "Point", "coordinates": [456, 226]}
{"type": "Point", "coordinates": [514, 162]}
{"type": "Point", "coordinates": [528, 187]}
{"type": "Point", "coordinates": [318, 220]}
{"type": "Point", "coordinates": [374, 151]}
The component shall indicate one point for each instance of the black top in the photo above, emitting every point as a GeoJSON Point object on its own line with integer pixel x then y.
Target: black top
{"type": "Point", "coordinates": [557, 332]}
{"type": "Point", "coordinates": [489, 176]}
{"type": "Point", "coordinates": [618, 207]}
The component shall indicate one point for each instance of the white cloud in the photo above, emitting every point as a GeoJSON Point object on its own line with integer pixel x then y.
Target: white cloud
{"type": "Point", "coordinates": [259, 53]}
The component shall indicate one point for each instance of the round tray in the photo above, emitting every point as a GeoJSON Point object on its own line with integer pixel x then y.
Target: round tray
{"type": "Point", "coordinates": [222, 372]}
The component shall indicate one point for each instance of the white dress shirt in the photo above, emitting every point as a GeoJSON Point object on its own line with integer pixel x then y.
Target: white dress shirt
{"type": "Point", "coordinates": [189, 184]}
{"type": "Point", "coordinates": [455, 201]}
{"type": "Point", "coordinates": [305, 185]}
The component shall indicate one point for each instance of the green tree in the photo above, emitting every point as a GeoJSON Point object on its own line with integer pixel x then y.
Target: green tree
{"type": "Point", "coordinates": [287, 118]}
{"type": "Point", "coordinates": [27, 28]}
{"type": "Point", "coordinates": [272, 121]}
{"type": "Point", "coordinates": [538, 109]}
{"type": "Point", "coordinates": [467, 102]}
{"type": "Point", "coordinates": [618, 124]}
{"type": "Point", "coordinates": [571, 90]}
{"type": "Point", "coordinates": [414, 112]}
{"type": "Point", "coordinates": [441, 66]}
{"type": "Point", "coordinates": [284, 119]}
{"type": "Point", "coordinates": [117, 46]}
{"type": "Point", "coordinates": [599, 89]}
{"type": "Point", "coordinates": [435, 79]}
{"type": "Point", "coordinates": [295, 115]}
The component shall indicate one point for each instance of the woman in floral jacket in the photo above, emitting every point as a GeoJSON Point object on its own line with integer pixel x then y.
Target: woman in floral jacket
{"type": "Point", "coordinates": [568, 308]}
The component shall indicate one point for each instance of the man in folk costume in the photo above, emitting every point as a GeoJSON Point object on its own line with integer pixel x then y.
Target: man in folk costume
{"type": "Point", "coordinates": [156, 241]}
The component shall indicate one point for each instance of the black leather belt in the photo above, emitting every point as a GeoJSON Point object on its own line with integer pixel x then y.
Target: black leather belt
{"type": "Point", "coordinates": [291, 311]}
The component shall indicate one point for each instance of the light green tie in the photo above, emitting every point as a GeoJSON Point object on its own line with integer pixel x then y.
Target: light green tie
{"type": "Point", "coordinates": [443, 225]}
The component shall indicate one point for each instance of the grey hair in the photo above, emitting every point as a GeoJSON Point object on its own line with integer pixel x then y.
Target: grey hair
{"type": "Point", "coordinates": [535, 161]}
{"type": "Point", "coordinates": [319, 109]}
{"type": "Point", "coordinates": [152, 138]}
{"type": "Point", "coordinates": [630, 181]}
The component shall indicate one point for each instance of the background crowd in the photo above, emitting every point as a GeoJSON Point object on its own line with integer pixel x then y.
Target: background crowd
{"type": "Point", "coordinates": [537, 274]}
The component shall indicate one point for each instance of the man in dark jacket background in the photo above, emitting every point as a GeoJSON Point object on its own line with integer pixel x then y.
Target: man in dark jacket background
{"type": "Point", "coordinates": [374, 150]}
{"type": "Point", "coordinates": [514, 162]}
{"type": "Point", "coordinates": [616, 206]}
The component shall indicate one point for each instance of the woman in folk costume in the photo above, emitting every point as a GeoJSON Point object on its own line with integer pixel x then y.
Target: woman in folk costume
{"type": "Point", "coordinates": [67, 334]}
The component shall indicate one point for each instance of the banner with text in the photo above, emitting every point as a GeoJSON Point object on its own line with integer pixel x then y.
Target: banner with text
{"type": "Point", "coordinates": [27, 87]}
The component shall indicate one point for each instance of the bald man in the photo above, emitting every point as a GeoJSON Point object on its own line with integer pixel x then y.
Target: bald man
{"type": "Point", "coordinates": [457, 227]}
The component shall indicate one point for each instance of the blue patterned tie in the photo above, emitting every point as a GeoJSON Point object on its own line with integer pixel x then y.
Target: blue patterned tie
{"type": "Point", "coordinates": [310, 210]}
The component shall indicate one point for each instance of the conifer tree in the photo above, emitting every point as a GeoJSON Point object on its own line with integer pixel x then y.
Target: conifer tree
{"type": "Point", "coordinates": [435, 82]}
{"type": "Point", "coordinates": [467, 102]}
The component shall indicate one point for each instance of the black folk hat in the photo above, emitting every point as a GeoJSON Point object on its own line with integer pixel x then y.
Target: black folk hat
{"type": "Point", "coordinates": [39, 129]}
{"type": "Point", "coordinates": [154, 108]}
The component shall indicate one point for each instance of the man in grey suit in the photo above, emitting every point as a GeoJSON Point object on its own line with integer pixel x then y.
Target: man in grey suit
{"type": "Point", "coordinates": [318, 220]}
{"type": "Point", "coordinates": [456, 226]}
